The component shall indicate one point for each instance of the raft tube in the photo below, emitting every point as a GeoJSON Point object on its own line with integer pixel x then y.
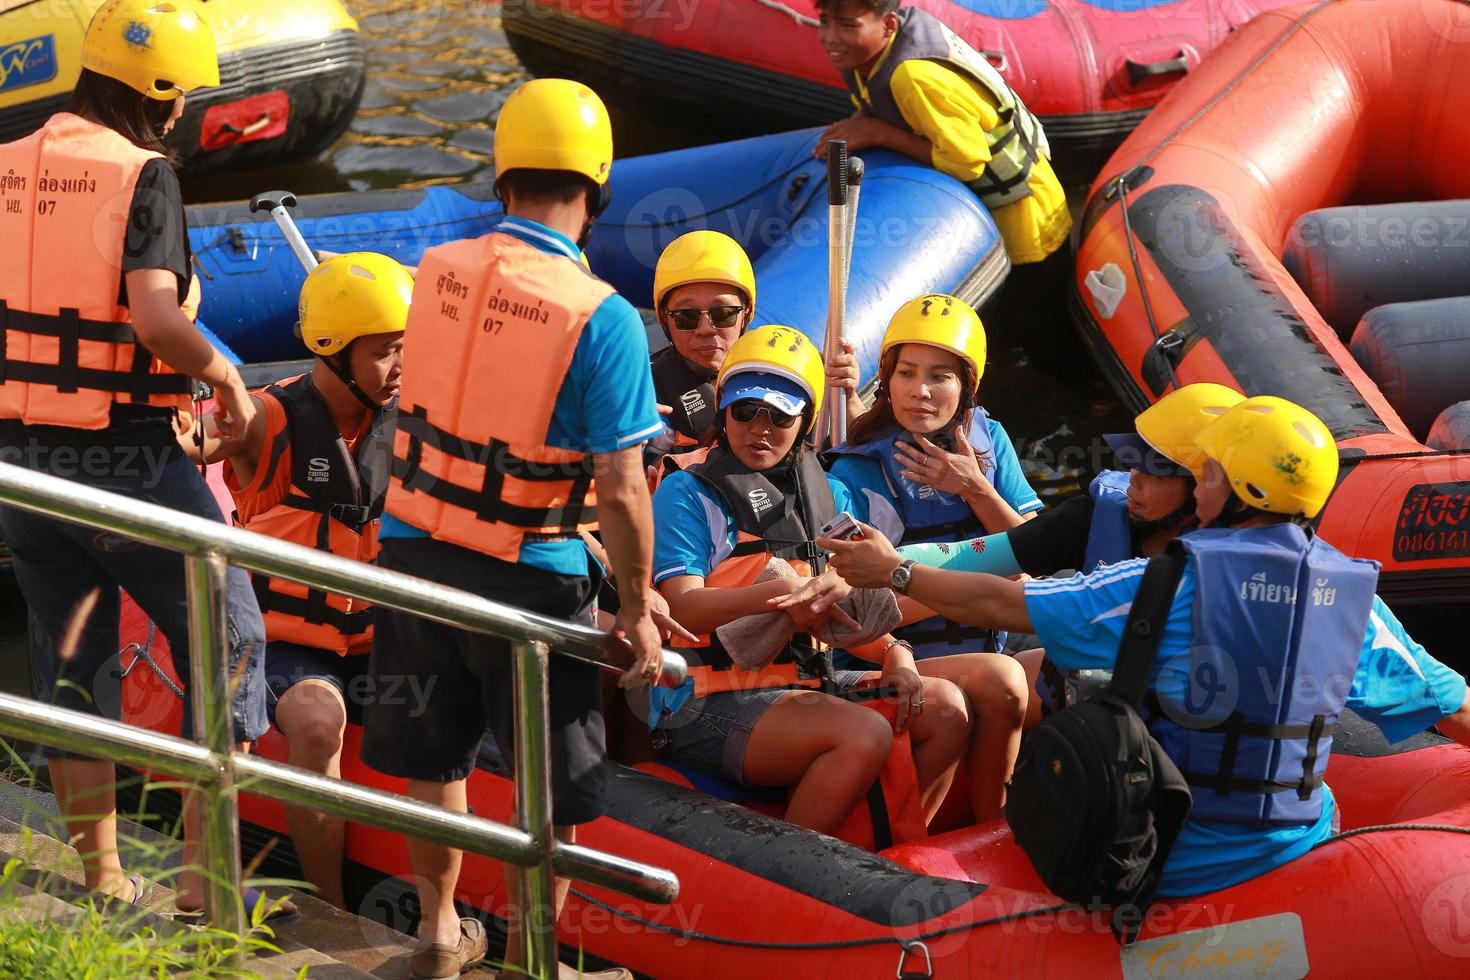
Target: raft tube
{"type": "Point", "coordinates": [291, 77]}
{"type": "Point", "coordinates": [760, 897]}
{"type": "Point", "coordinates": [1179, 274]}
{"type": "Point", "coordinates": [917, 231]}
{"type": "Point", "coordinates": [1092, 69]}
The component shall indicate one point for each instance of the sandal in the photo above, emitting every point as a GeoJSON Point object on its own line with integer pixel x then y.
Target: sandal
{"type": "Point", "coordinates": [282, 912]}
{"type": "Point", "coordinates": [440, 961]}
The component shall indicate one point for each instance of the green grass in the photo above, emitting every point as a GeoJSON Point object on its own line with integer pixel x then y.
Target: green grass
{"type": "Point", "coordinates": [98, 938]}
{"type": "Point", "coordinates": [101, 939]}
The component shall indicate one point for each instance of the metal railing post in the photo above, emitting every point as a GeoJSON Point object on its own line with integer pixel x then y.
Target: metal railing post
{"type": "Point", "coordinates": [533, 806]}
{"type": "Point", "coordinates": [210, 696]}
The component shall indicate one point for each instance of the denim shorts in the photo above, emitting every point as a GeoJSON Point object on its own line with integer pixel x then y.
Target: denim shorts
{"type": "Point", "coordinates": [58, 565]}
{"type": "Point", "coordinates": [711, 733]}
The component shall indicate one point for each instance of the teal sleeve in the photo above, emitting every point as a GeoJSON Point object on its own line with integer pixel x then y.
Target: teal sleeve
{"type": "Point", "coordinates": [991, 554]}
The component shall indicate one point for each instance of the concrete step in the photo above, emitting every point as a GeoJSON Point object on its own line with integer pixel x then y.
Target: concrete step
{"type": "Point", "coordinates": [330, 943]}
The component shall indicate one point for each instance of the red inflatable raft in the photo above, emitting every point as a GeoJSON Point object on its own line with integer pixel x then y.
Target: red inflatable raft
{"type": "Point", "coordinates": [1180, 275]}
{"type": "Point", "coordinates": [762, 898]}
{"type": "Point", "coordinates": [1091, 68]}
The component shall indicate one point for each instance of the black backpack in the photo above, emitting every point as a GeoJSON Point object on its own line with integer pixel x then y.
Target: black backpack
{"type": "Point", "coordinates": [1095, 802]}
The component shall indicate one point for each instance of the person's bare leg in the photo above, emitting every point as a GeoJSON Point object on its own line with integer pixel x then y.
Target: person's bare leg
{"type": "Point", "coordinates": [190, 896]}
{"type": "Point", "coordinates": [829, 751]}
{"type": "Point", "coordinates": [1030, 661]}
{"type": "Point", "coordinates": [940, 737]}
{"type": "Point", "coordinates": [86, 796]}
{"type": "Point", "coordinates": [995, 686]}
{"type": "Point", "coordinates": [435, 866]}
{"type": "Point", "coordinates": [515, 948]}
{"type": "Point", "coordinates": [313, 717]}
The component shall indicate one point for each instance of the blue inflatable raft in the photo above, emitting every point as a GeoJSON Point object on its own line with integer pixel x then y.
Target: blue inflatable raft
{"type": "Point", "coordinates": [917, 231]}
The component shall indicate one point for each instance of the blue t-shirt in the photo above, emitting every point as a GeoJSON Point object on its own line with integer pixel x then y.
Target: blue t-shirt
{"type": "Point", "coordinates": [1397, 686]}
{"type": "Point", "coordinates": [874, 503]}
{"type": "Point", "coordinates": [693, 532]}
{"type": "Point", "coordinates": [605, 403]}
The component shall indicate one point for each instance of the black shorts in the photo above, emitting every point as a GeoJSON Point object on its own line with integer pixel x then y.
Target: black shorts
{"type": "Point", "coordinates": [465, 679]}
{"type": "Point", "coordinates": [288, 664]}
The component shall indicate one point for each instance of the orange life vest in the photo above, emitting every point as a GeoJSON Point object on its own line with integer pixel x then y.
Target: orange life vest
{"type": "Point", "coordinates": [67, 348]}
{"type": "Point", "coordinates": [332, 503]}
{"type": "Point", "coordinates": [490, 337]}
{"type": "Point", "coordinates": [771, 521]}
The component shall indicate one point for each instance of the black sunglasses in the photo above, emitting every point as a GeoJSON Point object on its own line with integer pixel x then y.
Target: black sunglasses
{"type": "Point", "coordinates": [721, 317]}
{"type": "Point", "coordinates": [747, 411]}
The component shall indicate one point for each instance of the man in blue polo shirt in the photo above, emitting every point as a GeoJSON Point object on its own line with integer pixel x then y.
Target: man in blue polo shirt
{"type": "Point", "coordinates": [524, 378]}
{"type": "Point", "coordinates": [1270, 629]}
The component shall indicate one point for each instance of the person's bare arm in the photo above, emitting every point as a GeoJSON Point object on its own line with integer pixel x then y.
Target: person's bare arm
{"type": "Point", "coordinates": [162, 327]}
{"type": "Point", "coordinates": [626, 517]}
{"type": "Point", "coordinates": [703, 609]}
{"type": "Point", "coordinates": [965, 597]}
{"type": "Point", "coordinates": [1457, 725]}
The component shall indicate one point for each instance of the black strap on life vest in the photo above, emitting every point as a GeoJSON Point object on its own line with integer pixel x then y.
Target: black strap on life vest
{"type": "Point", "coordinates": [352, 489]}
{"type": "Point", "coordinates": [1224, 781]}
{"type": "Point", "coordinates": [689, 393]}
{"type": "Point", "coordinates": [313, 608]}
{"type": "Point", "coordinates": [790, 514]}
{"type": "Point", "coordinates": [486, 502]}
{"type": "Point", "coordinates": [988, 182]}
{"type": "Point", "coordinates": [348, 494]}
{"type": "Point", "coordinates": [67, 375]}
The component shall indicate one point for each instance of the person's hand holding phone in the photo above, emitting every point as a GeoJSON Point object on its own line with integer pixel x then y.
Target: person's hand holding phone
{"type": "Point", "coordinates": [927, 463]}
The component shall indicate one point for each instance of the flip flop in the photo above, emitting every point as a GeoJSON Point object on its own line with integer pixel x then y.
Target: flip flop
{"type": "Point", "coordinates": [283, 910]}
{"type": "Point", "coordinates": [142, 889]}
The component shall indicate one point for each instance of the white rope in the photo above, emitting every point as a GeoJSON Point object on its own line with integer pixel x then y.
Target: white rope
{"type": "Point", "coordinates": [795, 15]}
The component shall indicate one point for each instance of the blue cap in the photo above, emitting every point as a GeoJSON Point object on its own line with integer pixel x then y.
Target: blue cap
{"type": "Point", "coordinates": [782, 394]}
{"type": "Point", "coordinates": [1133, 452]}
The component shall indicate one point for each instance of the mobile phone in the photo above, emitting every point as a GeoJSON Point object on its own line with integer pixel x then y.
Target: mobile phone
{"type": "Point", "coordinates": [944, 440]}
{"type": "Point", "coordinates": [843, 527]}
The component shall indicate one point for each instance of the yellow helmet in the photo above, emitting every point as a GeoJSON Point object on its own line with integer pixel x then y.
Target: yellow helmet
{"type": "Point", "coordinates": [350, 296]}
{"type": "Point", "coordinates": [1278, 456]}
{"type": "Point", "coordinates": [943, 321]}
{"type": "Point", "coordinates": [162, 48]}
{"type": "Point", "coordinates": [554, 124]}
{"type": "Point", "coordinates": [1171, 424]}
{"type": "Point", "coordinates": [784, 352]}
{"type": "Point", "coordinates": [703, 256]}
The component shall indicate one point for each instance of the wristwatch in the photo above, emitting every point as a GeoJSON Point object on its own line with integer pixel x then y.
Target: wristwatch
{"type": "Point", "coordinates": [901, 576]}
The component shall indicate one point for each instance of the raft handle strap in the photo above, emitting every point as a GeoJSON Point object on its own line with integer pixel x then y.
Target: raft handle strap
{"type": "Point", "coordinates": [912, 947]}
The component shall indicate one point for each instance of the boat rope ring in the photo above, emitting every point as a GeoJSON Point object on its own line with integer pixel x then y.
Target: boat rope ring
{"type": "Point", "coordinates": [911, 947]}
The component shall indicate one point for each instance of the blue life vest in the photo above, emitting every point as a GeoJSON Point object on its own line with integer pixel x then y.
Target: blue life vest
{"type": "Point", "coordinates": [1110, 537]}
{"type": "Point", "coordinates": [931, 515]}
{"type": "Point", "coordinates": [1278, 626]}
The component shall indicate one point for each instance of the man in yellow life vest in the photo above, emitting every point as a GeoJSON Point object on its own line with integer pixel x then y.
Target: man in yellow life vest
{"type": "Point", "coordinates": [312, 469]}
{"type": "Point", "coordinates": [524, 377]}
{"type": "Point", "coordinates": [922, 91]}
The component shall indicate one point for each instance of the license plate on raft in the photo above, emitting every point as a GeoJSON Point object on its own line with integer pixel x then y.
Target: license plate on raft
{"type": "Point", "coordinates": [1433, 523]}
{"type": "Point", "coordinates": [1271, 947]}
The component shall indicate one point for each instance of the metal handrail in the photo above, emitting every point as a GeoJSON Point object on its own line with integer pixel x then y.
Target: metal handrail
{"type": "Point", "coordinates": [209, 547]}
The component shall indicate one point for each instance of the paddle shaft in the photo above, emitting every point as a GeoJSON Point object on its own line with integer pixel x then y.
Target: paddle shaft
{"type": "Point", "coordinates": [844, 181]}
